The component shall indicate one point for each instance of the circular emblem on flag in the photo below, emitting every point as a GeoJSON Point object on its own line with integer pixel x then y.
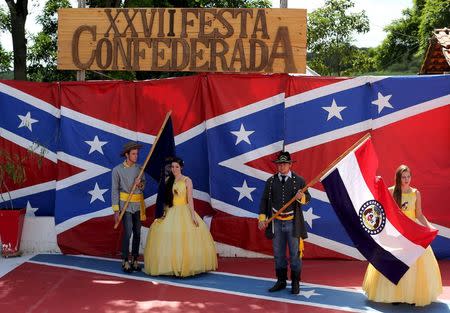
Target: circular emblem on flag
{"type": "Point", "coordinates": [372, 217]}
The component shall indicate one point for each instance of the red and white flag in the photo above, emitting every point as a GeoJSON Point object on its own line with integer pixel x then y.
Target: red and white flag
{"type": "Point", "coordinates": [386, 237]}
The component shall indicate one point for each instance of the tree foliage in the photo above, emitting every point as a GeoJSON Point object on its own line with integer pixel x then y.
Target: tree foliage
{"type": "Point", "coordinates": [435, 14]}
{"type": "Point", "coordinates": [5, 56]}
{"type": "Point", "coordinates": [402, 41]}
{"type": "Point", "coordinates": [330, 35]}
{"type": "Point", "coordinates": [180, 3]}
{"type": "Point", "coordinates": [42, 55]}
{"type": "Point", "coordinates": [5, 20]}
{"type": "Point", "coordinates": [362, 62]}
{"type": "Point", "coordinates": [5, 60]}
{"type": "Point", "coordinates": [407, 38]}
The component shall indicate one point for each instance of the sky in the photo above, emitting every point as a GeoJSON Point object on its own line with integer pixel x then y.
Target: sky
{"type": "Point", "coordinates": [380, 13]}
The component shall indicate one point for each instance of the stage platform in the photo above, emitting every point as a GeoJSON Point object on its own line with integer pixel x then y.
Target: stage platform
{"type": "Point", "coordinates": [66, 283]}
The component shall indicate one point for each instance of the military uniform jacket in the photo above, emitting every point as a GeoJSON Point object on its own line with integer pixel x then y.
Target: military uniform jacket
{"type": "Point", "coordinates": [276, 195]}
{"type": "Point", "coordinates": [122, 181]}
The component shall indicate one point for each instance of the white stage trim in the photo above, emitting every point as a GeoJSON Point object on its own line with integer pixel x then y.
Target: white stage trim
{"type": "Point", "coordinates": [39, 236]}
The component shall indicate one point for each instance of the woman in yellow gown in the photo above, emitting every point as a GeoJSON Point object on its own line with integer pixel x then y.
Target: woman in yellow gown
{"type": "Point", "coordinates": [179, 243]}
{"type": "Point", "coordinates": [422, 283]}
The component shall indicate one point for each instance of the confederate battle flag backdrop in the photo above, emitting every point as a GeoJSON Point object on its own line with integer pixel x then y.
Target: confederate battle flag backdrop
{"type": "Point", "coordinates": [228, 129]}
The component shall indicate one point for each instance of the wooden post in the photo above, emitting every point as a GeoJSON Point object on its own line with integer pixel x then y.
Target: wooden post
{"type": "Point", "coordinates": [81, 75]}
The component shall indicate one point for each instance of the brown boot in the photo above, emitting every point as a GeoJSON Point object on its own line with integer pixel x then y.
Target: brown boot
{"type": "Point", "coordinates": [281, 280]}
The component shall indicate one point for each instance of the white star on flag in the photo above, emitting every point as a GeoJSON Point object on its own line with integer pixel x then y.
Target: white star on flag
{"type": "Point", "coordinates": [27, 121]}
{"type": "Point", "coordinates": [242, 135]}
{"type": "Point", "coordinates": [97, 193]}
{"type": "Point", "coordinates": [334, 111]}
{"type": "Point", "coordinates": [308, 294]}
{"type": "Point", "coordinates": [245, 191]}
{"type": "Point", "coordinates": [30, 209]}
{"type": "Point", "coordinates": [96, 145]}
{"type": "Point", "coordinates": [382, 102]}
{"type": "Point", "coordinates": [310, 216]}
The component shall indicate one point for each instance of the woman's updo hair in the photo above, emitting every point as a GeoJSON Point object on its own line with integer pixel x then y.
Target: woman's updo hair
{"type": "Point", "coordinates": [178, 160]}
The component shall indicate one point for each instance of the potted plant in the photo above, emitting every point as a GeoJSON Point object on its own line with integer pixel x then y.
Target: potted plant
{"type": "Point", "coordinates": [13, 167]}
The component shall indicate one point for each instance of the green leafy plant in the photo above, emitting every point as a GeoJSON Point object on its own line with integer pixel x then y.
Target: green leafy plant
{"type": "Point", "coordinates": [13, 168]}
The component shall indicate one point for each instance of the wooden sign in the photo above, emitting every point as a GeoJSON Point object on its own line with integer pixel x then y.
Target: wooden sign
{"type": "Point", "coordinates": [192, 39]}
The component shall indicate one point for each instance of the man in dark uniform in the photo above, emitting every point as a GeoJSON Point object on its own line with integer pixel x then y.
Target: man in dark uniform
{"type": "Point", "coordinates": [289, 226]}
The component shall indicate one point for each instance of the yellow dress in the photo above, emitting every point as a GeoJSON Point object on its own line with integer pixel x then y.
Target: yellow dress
{"type": "Point", "coordinates": [175, 246]}
{"type": "Point", "coordinates": [420, 285]}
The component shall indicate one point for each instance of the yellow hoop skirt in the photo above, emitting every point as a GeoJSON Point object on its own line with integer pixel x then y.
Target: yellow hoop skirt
{"type": "Point", "coordinates": [175, 246]}
{"type": "Point", "coordinates": [420, 285]}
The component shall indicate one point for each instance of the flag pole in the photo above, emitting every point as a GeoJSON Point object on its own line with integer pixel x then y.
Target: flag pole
{"type": "Point", "coordinates": [317, 178]}
{"type": "Point", "coordinates": [122, 212]}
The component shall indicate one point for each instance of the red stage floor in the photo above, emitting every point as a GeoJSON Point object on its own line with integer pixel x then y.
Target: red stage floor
{"type": "Point", "coordinates": [56, 283]}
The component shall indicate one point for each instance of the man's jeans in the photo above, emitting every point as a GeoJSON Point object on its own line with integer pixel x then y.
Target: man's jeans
{"type": "Point", "coordinates": [131, 224]}
{"type": "Point", "coordinates": [283, 235]}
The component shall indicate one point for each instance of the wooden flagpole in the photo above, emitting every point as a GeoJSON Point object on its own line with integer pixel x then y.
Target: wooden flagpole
{"type": "Point", "coordinates": [122, 212]}
{"type": "Point", "coordinates": [317, 178]}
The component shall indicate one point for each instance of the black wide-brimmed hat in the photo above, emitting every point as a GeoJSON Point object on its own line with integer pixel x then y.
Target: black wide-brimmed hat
{"type": "Point", "coordinates": [283, 157]}
{"type": "Point", "coordinates": [130, 146]}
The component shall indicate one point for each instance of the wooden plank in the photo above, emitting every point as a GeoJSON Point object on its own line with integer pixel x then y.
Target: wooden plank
{"type": "Point", "coordinates": [196, 40]}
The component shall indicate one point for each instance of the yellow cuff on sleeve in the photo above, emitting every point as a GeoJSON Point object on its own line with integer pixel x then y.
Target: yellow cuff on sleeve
{"type": "Point", "coordinates": [115, 207]}
{"type": "Point", "coordinates": [262, 217]}
{"type": "Point", "coordinates": [302, 200]}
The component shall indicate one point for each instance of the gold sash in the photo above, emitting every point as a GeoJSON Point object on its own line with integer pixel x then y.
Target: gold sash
{"type": "Point", "coordinates": [135, 198]}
